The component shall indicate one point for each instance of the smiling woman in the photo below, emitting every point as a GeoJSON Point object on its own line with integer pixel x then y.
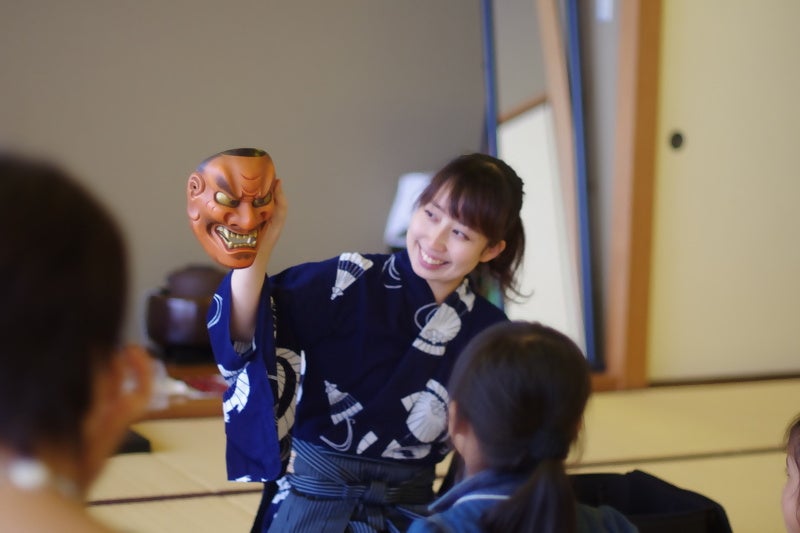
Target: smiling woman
{"type": "Point", "coordinates": [473, 204]}
{"type": "Point", "coordinates": [384, 334]}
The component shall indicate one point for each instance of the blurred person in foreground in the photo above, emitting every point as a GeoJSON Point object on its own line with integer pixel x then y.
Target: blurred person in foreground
{"type": "Point", "coordinates": [68, 391]}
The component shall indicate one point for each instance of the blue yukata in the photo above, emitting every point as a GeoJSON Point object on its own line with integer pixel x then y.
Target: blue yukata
{"type": "Point", "coordinates": [368, 351]}
{"type": "Point", "coordinates": [461, 508]}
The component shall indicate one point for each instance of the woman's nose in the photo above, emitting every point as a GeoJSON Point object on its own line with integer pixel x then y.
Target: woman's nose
{"type": "Point", "coordinates": [439, 238]}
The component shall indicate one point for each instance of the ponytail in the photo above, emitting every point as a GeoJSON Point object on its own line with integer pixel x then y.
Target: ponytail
{"type": "Point", "coordinates": [544, 503]}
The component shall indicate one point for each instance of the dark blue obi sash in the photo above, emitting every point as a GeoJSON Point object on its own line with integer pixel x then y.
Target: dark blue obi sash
{"type": "Point", "coordinates": [331, 492]}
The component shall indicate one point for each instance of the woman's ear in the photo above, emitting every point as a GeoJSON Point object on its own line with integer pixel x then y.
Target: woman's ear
{"type": "Point", "coordinates": [455, 427]}
{"type": "Point", "coordinates": [464, 440]}
{"type": "Point", "coordinates": [492, 251]}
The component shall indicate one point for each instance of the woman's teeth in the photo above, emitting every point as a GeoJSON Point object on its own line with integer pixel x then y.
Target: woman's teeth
{"type": "Point", "coordinates": [430, 260]}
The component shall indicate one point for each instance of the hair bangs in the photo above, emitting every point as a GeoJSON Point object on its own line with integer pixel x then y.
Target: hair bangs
{"type": "Point", "coordinates": [473, 202]}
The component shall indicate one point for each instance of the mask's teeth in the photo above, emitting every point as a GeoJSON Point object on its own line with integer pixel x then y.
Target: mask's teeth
{"type": "Point", "coordinates": [237, 240]}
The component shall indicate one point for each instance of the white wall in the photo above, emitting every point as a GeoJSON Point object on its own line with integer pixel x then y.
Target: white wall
{"type": "Point", "coordinates": [518, 54]}
{"type": "Point", "coordinates": [549, 276]}
{"type": "Point", "coordinates": [346, 96]}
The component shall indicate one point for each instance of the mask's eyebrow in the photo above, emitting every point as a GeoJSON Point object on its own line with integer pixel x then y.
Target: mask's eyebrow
{"type": "Point", "coordinates": [222, 183]}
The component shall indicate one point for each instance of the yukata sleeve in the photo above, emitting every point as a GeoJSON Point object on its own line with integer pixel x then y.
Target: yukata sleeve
{"type": "Point", "coordinates": [252, 448]}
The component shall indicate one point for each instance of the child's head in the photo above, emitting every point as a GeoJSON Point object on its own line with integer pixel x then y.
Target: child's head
{"type": "Point", "coordinates": [63, 277]}
{"type": "Point", "coordinates": [521, 389]}
{"type": "Point", "coordinates": [485, 194]}
{"type": "Point", "coordinates": [791, 491]}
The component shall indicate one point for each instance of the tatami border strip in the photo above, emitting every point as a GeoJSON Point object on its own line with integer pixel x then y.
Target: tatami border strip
{"type": "Point", "coordinates": [571, 466]}
{"type": "Point", "coordinates": [180, 496]}
{"type": "Point", "coordinates": [679, 457]}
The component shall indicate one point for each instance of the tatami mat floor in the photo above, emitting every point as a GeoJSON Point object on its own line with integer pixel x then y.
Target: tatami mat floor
{"type": "Point", "coordinates": [721, 440]}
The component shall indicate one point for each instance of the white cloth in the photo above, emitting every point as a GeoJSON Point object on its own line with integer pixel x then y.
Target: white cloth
{"type": "Point", "coordinates": [409, 188]}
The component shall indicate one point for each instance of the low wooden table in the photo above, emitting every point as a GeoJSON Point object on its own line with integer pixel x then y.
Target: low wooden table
{"type": "Point", "coordinates": [203, 376]}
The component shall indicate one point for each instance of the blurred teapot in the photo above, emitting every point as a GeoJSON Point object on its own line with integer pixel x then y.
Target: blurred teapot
{"type": "Point", "coordinates": [176, 313]}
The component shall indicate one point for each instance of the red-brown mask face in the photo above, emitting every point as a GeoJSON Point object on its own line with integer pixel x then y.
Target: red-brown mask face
{"type": "Point", "coordinates": [229, 202]}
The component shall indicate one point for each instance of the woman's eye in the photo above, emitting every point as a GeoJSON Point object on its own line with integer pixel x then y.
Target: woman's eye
{"type": "Point", "coordinates": [225, 200]}
{"type": "Point", "coordinates": [261, 202]}
{"type": "Point", "coordinates": [428, 213]}
{"type": "Point", "coordinates": [461, 235]}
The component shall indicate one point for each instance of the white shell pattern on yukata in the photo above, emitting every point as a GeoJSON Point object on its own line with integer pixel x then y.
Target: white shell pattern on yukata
{"type": "Point", "coordinates": [241, 391]}
{"type": "Point", "coordinates": [427, 412]}
{"type": "Point", "coordinates": [427, 421]}
{"type": "Point", "coordinates": [351, 266]}
{"type": "Point", "coordinates": [442, 327]}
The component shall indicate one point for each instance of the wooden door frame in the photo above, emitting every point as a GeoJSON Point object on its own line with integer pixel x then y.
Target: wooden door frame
{"type": "Point", "coordinates": [626, 306]}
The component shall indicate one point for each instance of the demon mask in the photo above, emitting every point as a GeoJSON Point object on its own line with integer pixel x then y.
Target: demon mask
{"type": "Point", "coordinates": [229, 202]}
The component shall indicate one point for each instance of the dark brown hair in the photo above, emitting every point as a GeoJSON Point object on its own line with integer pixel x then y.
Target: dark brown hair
{"type": "Point", "coordinates": [63, 277]}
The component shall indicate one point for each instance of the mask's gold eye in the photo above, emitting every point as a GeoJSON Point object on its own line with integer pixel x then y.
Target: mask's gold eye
{"type": "Point", "coordinates": [225, 200]}
{"type": "Point", "coordinates": [261, 202]}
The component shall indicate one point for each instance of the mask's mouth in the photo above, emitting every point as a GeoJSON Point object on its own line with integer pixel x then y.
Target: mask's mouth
{"type": "Point", "coordinates": [235, 240]}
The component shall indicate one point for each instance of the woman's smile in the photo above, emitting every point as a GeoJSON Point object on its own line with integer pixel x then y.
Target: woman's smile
{"type": "Point", "coordinates": [429, 260]}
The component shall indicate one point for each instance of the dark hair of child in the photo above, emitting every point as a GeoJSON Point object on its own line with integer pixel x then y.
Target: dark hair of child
{"type": "Point", "coordinates": [485, 194]}
{"type": "Point", "coordinates": [63, 277]}
{"type": "Point", "coordinates": [523, 388]}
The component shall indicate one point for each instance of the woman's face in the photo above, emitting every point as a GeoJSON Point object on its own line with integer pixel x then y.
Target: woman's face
{"type": "Point", "coordinates": [790, 495]}
{"type": "Point", "coordinates": [442, 249]}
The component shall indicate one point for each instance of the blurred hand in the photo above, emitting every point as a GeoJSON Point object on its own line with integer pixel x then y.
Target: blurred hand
{"type": "Point", "coordinates": [122, 393]}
